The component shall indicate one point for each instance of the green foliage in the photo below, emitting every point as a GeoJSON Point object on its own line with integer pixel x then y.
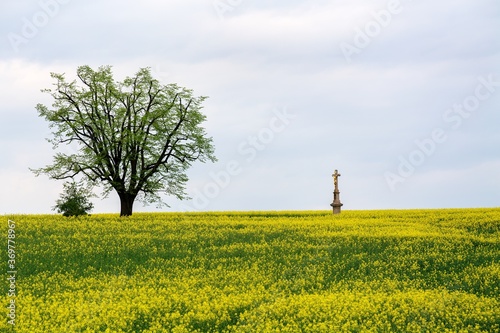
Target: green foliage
{"type": "Point", "coordinates": [360, 271]}
{"type": "Point", "coordinates": [136, 137]}
{"type": "Point", "coordinates": [74, 201]}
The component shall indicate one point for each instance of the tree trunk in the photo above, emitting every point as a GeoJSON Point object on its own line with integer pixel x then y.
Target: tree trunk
{"type": "Point", "coordinates": [126, 203]}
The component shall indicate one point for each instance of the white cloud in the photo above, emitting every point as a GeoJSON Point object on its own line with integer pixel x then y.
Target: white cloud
{"type": "Point", "coordinates": [357, 117]}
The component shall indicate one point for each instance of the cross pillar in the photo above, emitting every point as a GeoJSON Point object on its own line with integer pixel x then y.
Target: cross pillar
{"type": "Point", "coordinates": [336, 204]}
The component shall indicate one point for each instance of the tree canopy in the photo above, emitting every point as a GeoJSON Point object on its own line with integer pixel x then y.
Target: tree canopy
{"type": "Point", "coordinates": [137, 137]}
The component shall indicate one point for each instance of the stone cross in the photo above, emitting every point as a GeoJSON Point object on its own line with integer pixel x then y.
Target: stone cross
{"type": "Point", "coordinates": [336, 176]}
{"type": "Point", "coordinates": [336, 204]}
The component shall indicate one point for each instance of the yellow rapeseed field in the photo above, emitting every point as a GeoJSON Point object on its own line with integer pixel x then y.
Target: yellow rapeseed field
{"type": "Point", "coordinates": [294, 271]}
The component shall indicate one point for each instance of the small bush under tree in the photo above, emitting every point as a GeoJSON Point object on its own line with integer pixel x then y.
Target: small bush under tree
{"type": "Point", "coordinates": [75, 200]}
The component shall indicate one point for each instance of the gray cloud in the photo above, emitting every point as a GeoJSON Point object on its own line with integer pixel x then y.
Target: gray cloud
{"type": "Point", "coordinates": [358, 116]}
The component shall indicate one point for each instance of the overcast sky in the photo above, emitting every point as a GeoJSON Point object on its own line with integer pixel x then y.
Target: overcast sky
{"type": "Point", "coordinates": [402, 97]}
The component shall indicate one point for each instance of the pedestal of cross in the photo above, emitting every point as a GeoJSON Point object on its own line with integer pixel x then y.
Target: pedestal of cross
{"type": "Point", "coordinates": [336, 204]}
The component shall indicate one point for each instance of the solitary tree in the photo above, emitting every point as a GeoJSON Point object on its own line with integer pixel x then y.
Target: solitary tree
{"type": "Point", "coordinates": [137, 137]}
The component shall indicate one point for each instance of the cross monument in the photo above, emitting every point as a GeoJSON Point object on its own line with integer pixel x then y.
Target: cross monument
{"type": "Point", "coordinates": [336, 204]}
